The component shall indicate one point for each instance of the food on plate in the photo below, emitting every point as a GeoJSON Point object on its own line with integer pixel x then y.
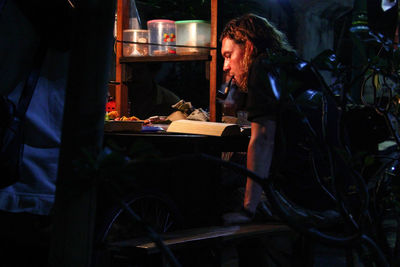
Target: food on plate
{"type": "Point", "coordinates": [157, 120]}
{"type": "Point", "coordinates": [124, 118]}
{"type": "Point", "coordinates": [112, 115]}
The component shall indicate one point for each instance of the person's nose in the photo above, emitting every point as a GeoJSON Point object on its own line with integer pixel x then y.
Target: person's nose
{"type": "Point", "coordinates": [226, 65]}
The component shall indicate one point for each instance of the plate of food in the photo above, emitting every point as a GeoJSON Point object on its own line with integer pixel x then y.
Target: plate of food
{"type": "Point", "coordinates": [122, 124]}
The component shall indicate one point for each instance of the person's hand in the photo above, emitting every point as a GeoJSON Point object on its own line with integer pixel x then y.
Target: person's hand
{"type": "Point", "coordinates": [239, 217]}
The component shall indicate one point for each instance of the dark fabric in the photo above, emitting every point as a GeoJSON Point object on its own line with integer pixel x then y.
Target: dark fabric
{"type": "Point", "coordinates": [20, 35]}
{"type": "Point", "coordinates": [261, 101]}
{"type": "Point", "coordinates": [299, 148]}
{"type": "Point", "coordinates": [11, 134]}
{"type": "Point", "coordinates": [291, 95]}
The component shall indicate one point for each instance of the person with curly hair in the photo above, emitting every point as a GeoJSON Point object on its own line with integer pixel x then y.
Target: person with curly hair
{"type": "Point", "coordinates": [246, 41]}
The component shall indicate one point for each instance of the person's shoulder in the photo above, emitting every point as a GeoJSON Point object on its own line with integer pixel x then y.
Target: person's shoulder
{"type": "Point", "coordinates": [261, 60]}
{"type": "Point", "coordinates": [284, 62]}
{"type": "Point", "coordinates": [273, 63]}
{"type": "Point", "coordinates": [260, 63]}
{"type": "Point", "coordinates": [278, 59]}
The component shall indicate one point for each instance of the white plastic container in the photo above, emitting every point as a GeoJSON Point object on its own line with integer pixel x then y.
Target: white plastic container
{"type": "Point", "coordinates": [161, 31]}
{"type": "Point", "coordinates": [134, 49]}
{"type": "Point", "coordinates": [192, 33]}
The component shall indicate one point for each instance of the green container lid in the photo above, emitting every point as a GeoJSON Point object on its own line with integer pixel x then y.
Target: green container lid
{"type": "Point", "coordinates": [190, 21]}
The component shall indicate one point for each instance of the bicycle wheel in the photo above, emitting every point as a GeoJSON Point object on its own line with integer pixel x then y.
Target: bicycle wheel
{"type": "Point", "coordinates": [116, 224]}
{"type": "Point", "coordinates": [154, 208]}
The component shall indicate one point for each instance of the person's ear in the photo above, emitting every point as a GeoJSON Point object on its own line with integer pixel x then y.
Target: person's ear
{"type": "Point", "coordinates": [249, 48]}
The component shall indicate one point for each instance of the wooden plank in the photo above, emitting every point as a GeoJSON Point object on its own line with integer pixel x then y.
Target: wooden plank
{"type": "Point", "coordinates": [198, 237]}
{"type": "Point", "coordinates": [75, 200]}
{"type": "Point", "coordinates": [121, 90]}
{"type": "Point", "coordinates": [213, 64]}
{"type": "Point", "coordinates": [118, 53]}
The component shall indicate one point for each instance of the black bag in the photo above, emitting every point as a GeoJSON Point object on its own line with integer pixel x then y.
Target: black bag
{"type": "Point", "coordinates": [11, 126]}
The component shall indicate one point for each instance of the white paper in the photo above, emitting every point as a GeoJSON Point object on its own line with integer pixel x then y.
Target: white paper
{"type": "Point", "coordinates": [387, 4]}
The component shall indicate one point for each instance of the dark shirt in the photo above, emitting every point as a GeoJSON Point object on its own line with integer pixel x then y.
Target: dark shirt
{"type": "Point", "coordinates": [286, 93]}
{"type": "Point", "coordinates": [261, 100]}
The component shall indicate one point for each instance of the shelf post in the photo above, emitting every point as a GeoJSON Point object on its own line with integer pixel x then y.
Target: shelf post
{"type": "Point", "coordinates": [121, 90]}
{"type": "Point", "coordinates": [213, 63]}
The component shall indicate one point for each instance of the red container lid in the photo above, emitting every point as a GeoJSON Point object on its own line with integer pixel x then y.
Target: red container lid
{"type": "Point", "coordinates": [111, 106]}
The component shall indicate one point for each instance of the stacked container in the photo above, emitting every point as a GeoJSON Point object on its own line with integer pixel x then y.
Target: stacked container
{"type": "Point", "coordinates": [192, 33]}
{"type": "Point", "coordinates": [131, 39]}
{"type": "Point", "coordinates": [161, 37]}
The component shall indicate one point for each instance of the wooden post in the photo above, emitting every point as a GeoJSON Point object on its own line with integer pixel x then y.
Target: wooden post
{"type": "Point", "coordinates": [214, 79]}
{"type": "Point", "coordinates": [83, 123]}
{"type": "Point", "coordinates": [121, 90]}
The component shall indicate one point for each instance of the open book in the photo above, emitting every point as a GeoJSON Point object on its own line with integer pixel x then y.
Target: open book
{"type": "Point", "coordinates": [204, 127]}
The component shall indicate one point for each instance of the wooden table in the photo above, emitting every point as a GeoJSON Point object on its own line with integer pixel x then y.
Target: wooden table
{"type": "Point", "coordinates": [172, 144]}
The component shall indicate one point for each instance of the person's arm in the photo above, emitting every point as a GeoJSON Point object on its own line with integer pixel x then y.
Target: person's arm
{"type": "Point", "coordinates": [259, 157]}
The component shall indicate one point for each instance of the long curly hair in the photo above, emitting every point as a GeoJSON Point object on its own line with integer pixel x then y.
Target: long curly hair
{"type": "Point", "coordinates": [262, 34]}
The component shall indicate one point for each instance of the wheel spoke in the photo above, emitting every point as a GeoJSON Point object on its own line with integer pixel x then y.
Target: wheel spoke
{"type": "Point", "coordinates": [166, 224]}
{"type": "Point", "coordinates": [153, 210]}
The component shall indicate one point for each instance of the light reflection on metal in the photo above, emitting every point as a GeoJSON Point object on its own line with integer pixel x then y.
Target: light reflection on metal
{"type": "Point", "coordinates": [71, 3]}
{"type": "Point", "coordinates": [272, 82]}
{"type": "Point", "coordinates": [310, 93]}
{"type": "Point", "coordinates": [301, 65]}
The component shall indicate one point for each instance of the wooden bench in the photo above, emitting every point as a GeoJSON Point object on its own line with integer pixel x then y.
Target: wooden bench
{"type": "Point", "coordinates": [207, 237]}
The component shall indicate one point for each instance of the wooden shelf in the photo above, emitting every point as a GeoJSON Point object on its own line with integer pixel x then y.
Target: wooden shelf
{"type": "Point", "coordinates": [121, 90]}
{"type": "Point", "coordinates": [166, 58]}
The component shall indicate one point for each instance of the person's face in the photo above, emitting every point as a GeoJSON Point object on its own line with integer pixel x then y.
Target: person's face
{"type": "Point", "coordinates": [233, 55]}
